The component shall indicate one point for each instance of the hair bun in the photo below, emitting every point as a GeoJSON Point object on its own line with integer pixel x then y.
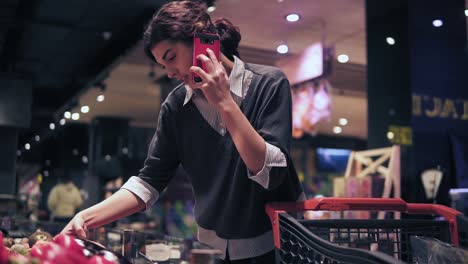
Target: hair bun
{"type": "Point", "coordinates": [230, 37]}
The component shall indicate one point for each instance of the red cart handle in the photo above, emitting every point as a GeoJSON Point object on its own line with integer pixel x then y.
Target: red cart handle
{"type": "Point", "coordinates": [362, 204]}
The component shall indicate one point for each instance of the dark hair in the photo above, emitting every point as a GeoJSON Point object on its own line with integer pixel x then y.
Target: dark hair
{"type": "Point", "coordinates": [180, 20]}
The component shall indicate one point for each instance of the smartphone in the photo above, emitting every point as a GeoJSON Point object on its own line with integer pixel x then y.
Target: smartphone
{"type": "Point", "coordinates": [202, 41]}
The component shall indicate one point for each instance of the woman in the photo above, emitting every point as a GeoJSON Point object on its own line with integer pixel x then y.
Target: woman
{"type": "Point", "coordinates": [231, 133]}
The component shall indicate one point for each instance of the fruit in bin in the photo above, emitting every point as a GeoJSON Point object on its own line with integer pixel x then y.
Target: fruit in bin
{"type": "Point", "coordinates": [50, 252]}
{"type": "Point", "coordinates": [8, 241]}
{"type": "Point", "coordinates": [25, 242]}
{"type": "Point", "coordinates": [39, 236]}
{"type": "Point", "coordinates": [18, 259]}
{"type": "Point", "coordinates": [3, 252]}
{"type": "Point", "coordinates": [69, 243]}
{"type": "Point", "coordinates": [19, 249]}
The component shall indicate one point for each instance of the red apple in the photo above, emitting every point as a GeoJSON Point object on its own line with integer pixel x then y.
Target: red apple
{"type": "Point", "coordinates": [54, 253]}
{"type": "Point", "coordinates": [3, 251]}
{"type": "Point", "coordinates": [100, 259]}
{"type": "Point", "coordinates": [69, 243]}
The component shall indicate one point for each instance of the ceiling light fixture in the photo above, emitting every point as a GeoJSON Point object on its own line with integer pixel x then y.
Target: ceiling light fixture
{"type": "Point", "coordinates": [337, 130]}
{"type": "Point", "coordinates": [437, 23]}
{"type": "Point", "coordinates": [52, 126]}
{"type": "Point", "coordinates": [293, 17]}
{"type": "Point", "coordinates": [75, 116]}
{"type": "Point", "coordinates": [211, 9]}
{"type": "Point", "coordinates": [210, 6]}
{"type": "Point", "coordinates": [84, 109]}
{"type": "Point", "coordinates": [466, 12]}
{"type": "Point", "coordinates": [37, 138]}
{"type": "Point", "coordinates": [343, 121]}
{"type": "Point", "coordinates": [390, 41]}
{"type": "Point", "coordinates": [100, 98]}
{"type": "Point", "coordinates": [106, 35]}
{"type": "Point", "coordinates": [390, 135]}
{"type": "Point", "coordinates": [282, 49]}
{"type": "Point", "coordinates": [63, 121]}
{"type": "Point", "coordinates": [343, 58]}
{"type": "Point", "coordinates": [67, 115]}
{"type": "Point", "coordinates": [27, 146]}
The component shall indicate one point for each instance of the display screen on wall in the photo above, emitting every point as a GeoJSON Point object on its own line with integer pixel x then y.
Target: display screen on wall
{"type": "Point", "coordinates": [332, 160]}
{"type": "Point", "coordinates": [311, 104]}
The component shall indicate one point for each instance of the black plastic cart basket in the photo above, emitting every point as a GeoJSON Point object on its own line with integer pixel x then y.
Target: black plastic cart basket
{"type": "Point", "coordinates": [359, 241]}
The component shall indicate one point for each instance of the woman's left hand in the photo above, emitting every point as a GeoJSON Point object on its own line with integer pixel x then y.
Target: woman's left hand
{"type": "Point", "coordinates": [215, 81]}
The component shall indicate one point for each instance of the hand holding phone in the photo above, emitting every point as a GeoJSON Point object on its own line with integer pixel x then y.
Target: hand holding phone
{"type": "Point", "coordinates": [202, 41]}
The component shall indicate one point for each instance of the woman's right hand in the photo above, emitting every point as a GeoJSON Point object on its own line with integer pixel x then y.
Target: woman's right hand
{"type": "Point", "coordinates": [76, 227]}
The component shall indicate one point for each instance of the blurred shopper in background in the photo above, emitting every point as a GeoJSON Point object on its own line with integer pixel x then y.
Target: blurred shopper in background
{"type": "Point", "coordinates": [231, 133]}
{"type": "Point", "coordinates": [64, 200]}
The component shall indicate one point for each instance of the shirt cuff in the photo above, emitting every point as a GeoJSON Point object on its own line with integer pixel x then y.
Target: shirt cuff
{"type": "Point", "coordinates": [273, 158]}
{"type": "Point", "coordinates": [147, 193]}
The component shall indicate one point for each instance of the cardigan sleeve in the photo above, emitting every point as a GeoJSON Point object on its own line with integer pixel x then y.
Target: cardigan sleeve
{"type": "Point", "coordinates": [274, 124]}
{"type": "Point", "coordinates": [161, 162]}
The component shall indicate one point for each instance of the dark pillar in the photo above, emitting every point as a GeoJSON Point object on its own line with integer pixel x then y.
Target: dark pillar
{"type": "Point", "coordinates": [388, 77]}
{"type": "Point", "coordinates": [388, 81]}
{"type": "Point", "coordinates": [439, 83]}
{"type": "Point", "coordinates": [420, 81]}
{"type": "Point", "coordinates": [15, 112]}
{"type": "Point", "coordinates": [108, 137]}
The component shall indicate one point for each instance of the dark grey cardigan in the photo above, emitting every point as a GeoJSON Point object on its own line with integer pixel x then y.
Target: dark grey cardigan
{"type": "Point", "coordinates": [227, 201]}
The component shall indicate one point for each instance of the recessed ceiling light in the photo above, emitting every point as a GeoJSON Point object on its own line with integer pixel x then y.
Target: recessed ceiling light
{"type": "Point", "coordinates": [75, 116]}
{"type": "Point", "coordinates": [466, 12]}
{"type": "Point", "coordinates": [100, 98]}
{"type": "Point", "coordinates": [84, 159]}
{"type": "Point", "coordinates": [293, 17]}
{"type": "Point", "coordinates": [390, 41]}
{"type": "Point", "coordinates": [106, 35]}
{"type": "Point", "coordinates": [390, 135]}
{"type": "Point", "coordinates": [27, 146]}
{"type": "Point", "coordinates": [337, 130]}
{"type": "Point", "coordinates": [125, 151]}
{"type": "Point", "coordinates": [343, 121]}
{"type": "Point", "coordinates": [84, 109]}
{"type": "Point", "coordinates": [437, 23]}
{"type": "Point", "coordinates": [63, 122]}
{"type": "Point", "coordinates": [37, 138]}
{"type": "Point", "coordinates": [283, 49]}
{"type": "Point", "coordinates": [52, 126]}
{"type": "Point", "coordinates": [67, 115]}
{"type": "Point", "coordinates": [343, 58]}
{"type": "Point", "coordinates": [211, 9]}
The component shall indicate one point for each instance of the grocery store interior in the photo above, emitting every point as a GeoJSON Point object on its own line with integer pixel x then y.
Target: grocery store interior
{"type": "Point", "coordinates": [379, 105]}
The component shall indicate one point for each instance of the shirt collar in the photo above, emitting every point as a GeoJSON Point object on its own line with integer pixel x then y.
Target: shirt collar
{"type": "Point", "coordinates": [235, 81]}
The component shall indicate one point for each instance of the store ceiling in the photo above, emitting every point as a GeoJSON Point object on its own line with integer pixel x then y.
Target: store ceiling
{"type": "Point", "coordinates": [131, 94]}
{"type": "Point", "coordinates": [67, 46]}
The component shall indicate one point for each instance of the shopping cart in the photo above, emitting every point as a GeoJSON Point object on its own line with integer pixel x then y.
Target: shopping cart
{"type": "Point", "coordinates": [359, 241]}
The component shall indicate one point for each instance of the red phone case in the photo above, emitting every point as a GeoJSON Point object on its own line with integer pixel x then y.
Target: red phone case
{"type": "Point", "coordinates": [202, 41]}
